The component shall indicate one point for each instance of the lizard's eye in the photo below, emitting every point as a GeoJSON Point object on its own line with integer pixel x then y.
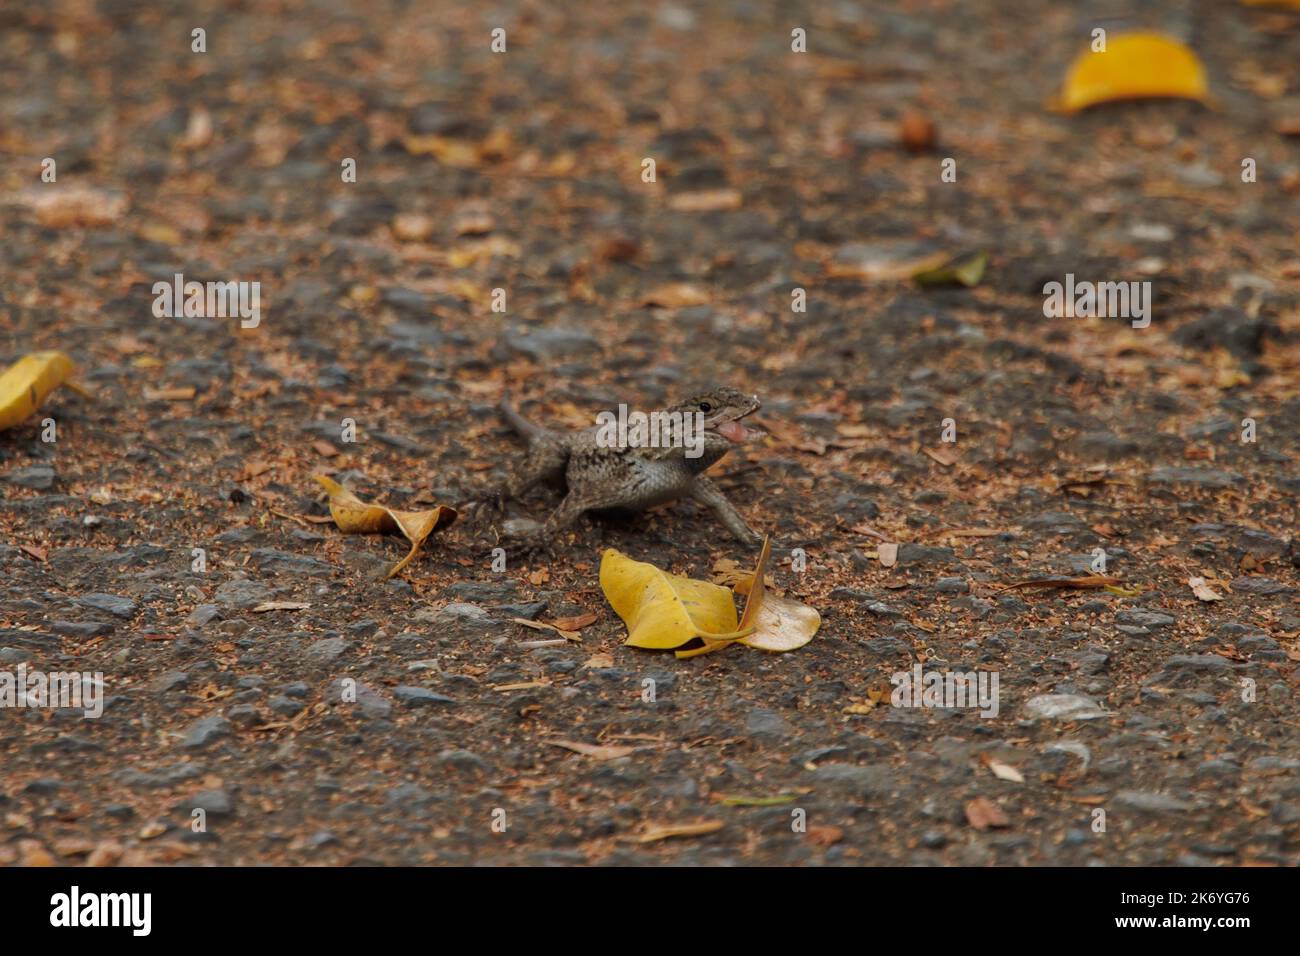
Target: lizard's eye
{"type": "Point", "coordinates": [706, 407]}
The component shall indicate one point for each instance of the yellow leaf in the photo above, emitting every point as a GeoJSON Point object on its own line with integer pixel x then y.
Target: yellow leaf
{"type": "Point", "coordinates": [24, 385]}
{"type": "Point", "coordinates": [1133, 66]}
{"type": "Point", "coordinates": [354, 516]}
{"type": "Point", "coordinates": [781, 624]}
{"type": "Point", "coordinates": [664, 610]}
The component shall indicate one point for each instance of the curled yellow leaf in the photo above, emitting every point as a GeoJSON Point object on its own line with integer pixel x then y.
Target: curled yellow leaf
{"type": "Point", "coordinates": [24, 385]}
{"type": "Point", "coordinates": [354, 516]}
{"type": "Point", "coordinates": [769, 623]}
{"type": "Point", "coordinates": [1133, 66]}
{"type": "Point", "coordinates": [664, 611]}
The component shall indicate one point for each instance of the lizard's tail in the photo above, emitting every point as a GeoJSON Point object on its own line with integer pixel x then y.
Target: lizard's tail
{"type": "Point", "coordinates": [523, 426]}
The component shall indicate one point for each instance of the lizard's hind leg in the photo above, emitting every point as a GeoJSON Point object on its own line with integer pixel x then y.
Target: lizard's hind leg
{"type": "Point", "coordinates": [545, 462]}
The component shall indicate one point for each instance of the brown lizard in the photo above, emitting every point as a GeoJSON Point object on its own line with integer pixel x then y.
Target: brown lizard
{"type": "Point", "coordinates": [602, 473]}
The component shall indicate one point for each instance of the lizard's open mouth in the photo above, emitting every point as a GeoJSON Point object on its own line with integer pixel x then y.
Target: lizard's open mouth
{"type": "Point", "coordinates": [735, 432]}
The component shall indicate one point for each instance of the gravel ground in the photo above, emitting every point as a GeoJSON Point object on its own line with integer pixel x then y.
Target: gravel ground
{"type": "Point", "coordinates": [1170, 720]}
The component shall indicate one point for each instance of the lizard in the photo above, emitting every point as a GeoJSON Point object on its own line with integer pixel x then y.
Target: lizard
{"type": "Point", "coordinates": [603, 475]}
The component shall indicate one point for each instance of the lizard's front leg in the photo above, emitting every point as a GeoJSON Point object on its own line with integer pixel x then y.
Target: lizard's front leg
{"type": "Point", "coordinates": [707, 493]}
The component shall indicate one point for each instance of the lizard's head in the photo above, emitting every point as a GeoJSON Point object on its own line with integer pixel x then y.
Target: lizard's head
{"type": "Point", "coordinates": [723, 408]}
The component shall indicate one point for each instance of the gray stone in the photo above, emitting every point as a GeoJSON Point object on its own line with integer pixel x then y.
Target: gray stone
{"type": "Point", "coordinates": [161, 778]}
{"type": "Point", "coordinates": [1063, 707]}
{"type": "Point", "coordinates": [327, 649]}
{"type": "Point", "coordinates": [285, 706]}
{"type": "Point", "coordinates": [1183, 669]}
{"type": "Point", "coordinates": [37, 477]}
{"type": "Point", "coordinates": [913, 553]}
{"type": "Point", "coordinates": [113, 604]}
{"type": "Point", "coordinates": [270, 559]}
{"type": "Point", "coordinates": [872, 780]}
{"type": "Point", "coordinates": [242, 594]}
{"type": "Point", "coordinates": [766, 723]}
{"type": "Point", "coordinates": [203, 614]}
{"type": "Point", "coordinates": [419, 696]}
{"type": "Point", "coordinates": [169, 681]}
{"type": "Point", "coordinates": [1202, 477]}
{"type": "Point", "coordinates": [371, 702]}
{"type": "Point", "coordinates": [1148, 801]}
{"type": "Point", "coordinates": [1141, 617]}
{"type": "Point", "coordinates": [544, 345]}
{"type": "Point", "coordinates": [214, 803]}
{"type": "Point", "coordinates": [204, 731]}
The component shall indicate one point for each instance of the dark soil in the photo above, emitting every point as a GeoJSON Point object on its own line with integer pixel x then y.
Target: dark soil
{"type": "Point", "coordinates": [522, 171]}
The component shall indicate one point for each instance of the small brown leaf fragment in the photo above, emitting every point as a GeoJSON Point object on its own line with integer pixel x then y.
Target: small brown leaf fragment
{"type": "Point", "coordinates": [170, 394]}
{"type": "Point", "coordinates": [33, 854]}
{"type": "Point", "coordinates": [575, 623]}
{"type": "Point", "coordinates": [280, 606]}
{"type": "Point", "coordinates": [652, 834]}
{"type": "Point", "coordinates": [882, 262]}
{"type": "Point", "coordinates": [1004, 771]}
{"type": "Point", "coordinates": [198, 130]}
{"type": "Point", "coordinates": [887, 554]}
{"type": "Point", "coordinates": [1079, 584]}
{"type": "Point", "coordinates": [412, 227]}
{"type": "Point", "coordinates": [522, 685]}
{"type": "Point", "coordinates": [74, 206]}
{"type": "Point", "coordinates": [543, 626]}
{"type": "Point", "coordinates": [706, 200]}
{"type": "Point", "coordinates": [473, 220]}
{"type": "Point", "coordinates": [943, 455]}
{"type": "Point", "coordinates": [595, 751]}
{"type": "Point", "coordinates": [253, 469]}
{"type": "Point", "coordinates": [824, 835]}
{"type": "Point", "coordinates": [620, 247]}
{"type": "Point", "coordinates": [152, 830]}
{"type": "Point", "coordinates": [1202, 590]}
{"type": "Point", "coordinates": [324, 449]}
{"type": "Point", "coordinates": [676, 295]}
{"type": "Point", "coordinates": [354, 516]}
{"type": "Point", "coordinates": [34, 551]}
{"type": "Point", "coordinates": [105, 854]}
{"type": "Point", "coordinates": [982, 813]}
{"type": "Point", "coordinates": [916, 132]}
